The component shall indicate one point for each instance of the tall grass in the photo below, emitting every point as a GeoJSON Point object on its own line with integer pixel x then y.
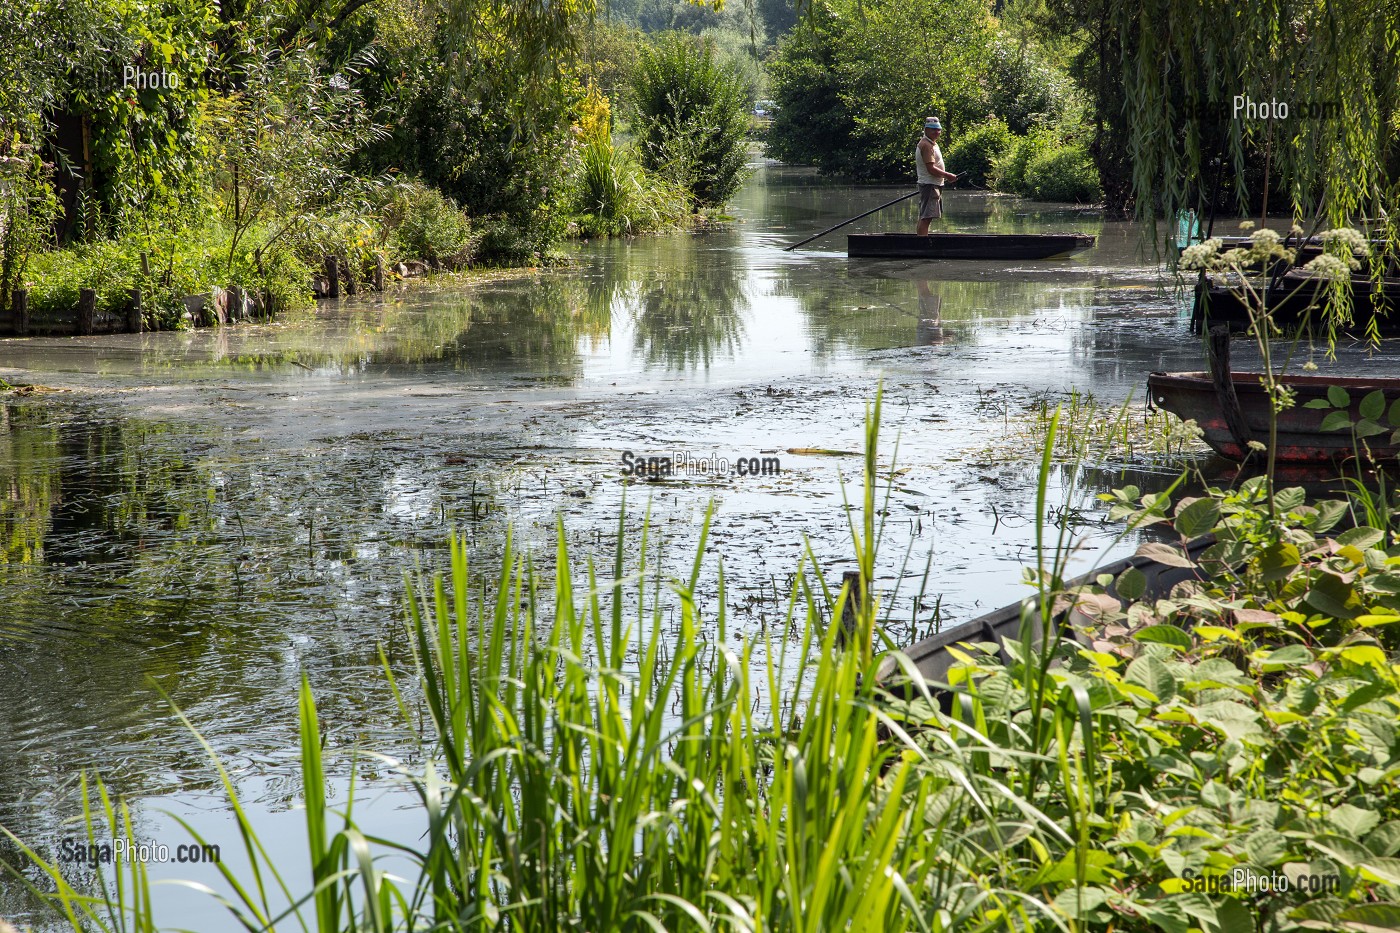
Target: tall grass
{"type": "Point", "coordinates": [616, 196]}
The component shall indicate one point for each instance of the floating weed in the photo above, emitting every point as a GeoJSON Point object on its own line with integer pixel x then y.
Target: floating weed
{"type": "Point", "coordinates": [1093, 432]}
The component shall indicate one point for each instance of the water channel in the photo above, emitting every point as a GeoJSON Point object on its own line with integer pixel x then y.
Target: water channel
{"type": "Point", "coordinates": [210, 514]}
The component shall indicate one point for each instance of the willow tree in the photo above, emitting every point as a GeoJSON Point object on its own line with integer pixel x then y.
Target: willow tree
{"type": "Point", "coordinates": [1298, 96]}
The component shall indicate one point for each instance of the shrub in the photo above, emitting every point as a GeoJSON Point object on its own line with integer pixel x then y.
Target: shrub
{"type": "Point", "coordinates": [1009, 169]}
{"type": "Point", "coordinates": [1026, 90]}
{"type": "Point", "coordinates": [691, 117]}
{"type": "Point", "coordinates": [192, 260]}
{"type": "Point", "coordinates": [420, 222]}
{"type": "Point", "coordinates": [1064, 173]}
{"type": "Point", "coordinates": [615, 195]}
{"type": "Point", "coordinates": [975, 150]}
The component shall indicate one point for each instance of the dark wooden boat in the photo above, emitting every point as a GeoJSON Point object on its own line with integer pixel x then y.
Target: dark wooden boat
{"type": "Point", "coordinates": [1288, 298]}
{"type": "Point", "coordinates": [1300, 435]}
{"type": "Point", "coordinates": [932, 658]}
{"type": "Point", "coordinates": [965, 245]}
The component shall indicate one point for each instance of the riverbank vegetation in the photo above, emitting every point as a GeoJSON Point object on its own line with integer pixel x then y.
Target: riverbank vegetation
{"type": "Point", "coordinates": [851, 87]}
{"type": "Point", "coordinates": [1219, 758]}
{"type": "Point", "coordinates": [241, 145]}
{"type": "Point", "coordinates": [1150, 108]}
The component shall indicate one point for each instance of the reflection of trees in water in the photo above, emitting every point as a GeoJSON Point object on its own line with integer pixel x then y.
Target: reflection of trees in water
{"type": "Point", "coordinates": [534, 322]}
{"type": "Point", "coordinates": [536, 326]}
{"type": "Point", "coordinates": [137, 548]}
{"type": "Point", "coordinates": [872, 309]}
{"type": "Point", "coordinates": [685, 321]}
{"type": "Point", "coordinates": [685, 299]}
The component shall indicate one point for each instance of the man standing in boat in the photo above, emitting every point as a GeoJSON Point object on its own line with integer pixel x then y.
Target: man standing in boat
{"type": "Point", "coordinates": [928, 164]}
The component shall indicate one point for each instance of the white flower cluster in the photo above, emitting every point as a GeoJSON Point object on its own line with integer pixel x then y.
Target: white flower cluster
{"type": "Point", "coordinates": [1264, 238]}
{"type": "Point", "coordinates": [1200, 255]}
{"type": "Point", "coordinates": [1328, 267]}
{"type": "Point", "coordinates": [1346, 238]}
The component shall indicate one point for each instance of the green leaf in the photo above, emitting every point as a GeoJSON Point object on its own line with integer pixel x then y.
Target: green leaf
{"type": "Point", "coordinates": [1369, 429]}
{"type": "Point", "coordinates": [1373, 405]}
{"type": "Point", "coordinates": [1329, 512]}
{"type": "Point", "coordinates": [1335, 421]}
{"type": "Point", "coordinates": [1362, 536]}
{"type": "Point", "coordinates": [1385, 840]}
{"type": "Point", "coordinates": [1132, 583]}
{"type": "Point", "coordinates": [1164, 554]}
{"type": "Point", "coordinates": [1152, 675]}
{"type": "Point", "coordinates": [1352, 821]}
{"type": "Point", "coordinates": [1339, 397]}
{"type": "Point", "coordinates": [1287, 656]}
{"type": "Point", "coordinates": [1348, 852]}
{"type": "Point", "coordinates": [1372, 916]}
{"type": "Point", "coordinates": [1318, 403]}
{"type": "Point", "coordinates": [1198, 518]}
{"type": "Point", "coordinates": [1165, 635]}
{"type": "Point", "coordinates": [1290, 498]}
{"type": "Point", "coordinates": [1331, 595]}
{"type": "Point", "coordinates": [1234, 719]}
{"type": "Point", "coordinates": [1278, 560]}
{"type": "Point", "coordinates": [1393, 416]}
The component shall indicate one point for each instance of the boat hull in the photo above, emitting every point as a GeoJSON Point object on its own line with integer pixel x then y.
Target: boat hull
{"type": "Point", "coordinates": [965, 245]}
{"type": "Point", "coordinates": [1291, 300]}
{"type": "Point", "coordinates": [1301, 439]}
{"type": "Point", "coordinates": [934, 657]}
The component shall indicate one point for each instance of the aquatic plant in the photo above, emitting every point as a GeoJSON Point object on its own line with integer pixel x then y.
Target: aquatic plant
{"type": "Point", "coordinates": [588, 767]}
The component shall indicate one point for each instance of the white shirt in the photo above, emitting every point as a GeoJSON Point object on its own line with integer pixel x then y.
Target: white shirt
{"type": "Point", "coordinates": [922, 169]}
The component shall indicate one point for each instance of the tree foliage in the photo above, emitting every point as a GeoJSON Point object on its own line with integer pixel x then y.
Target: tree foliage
{"type": "Point", "coordinates": [1166, 75]}
{"type": "Point", "coordinates": [854, 80]}
{"type": "Point", "coordinates": [691, 118]}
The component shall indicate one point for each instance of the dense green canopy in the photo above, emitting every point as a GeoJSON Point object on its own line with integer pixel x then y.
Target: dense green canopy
{"type": "Point", "coordinates": [1204, 79]}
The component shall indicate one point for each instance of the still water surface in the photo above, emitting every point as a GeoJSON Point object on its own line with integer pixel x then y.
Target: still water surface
{"type": "Point", "coordinates": [208, 515]}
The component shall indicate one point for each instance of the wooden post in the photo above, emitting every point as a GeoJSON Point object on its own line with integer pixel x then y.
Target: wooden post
{"type": "Point", "coordinates": [351, 286]}
{"type": "Point", "coordinates": [1225, 389]}
{"type": "Point", "coordinates": [378, 272]}
{"type": "Point", "coordinates": [134, 323]}
{"type": "Point", "coordinates": [236, 305]}
{"type": "Point", "coordinates": [20, 303]}
{"type": "Point", "coordinates": [332, 278]}
{"type": "Point", "coordinates": [87, 309]}
{"type": "Point", "coordinates": [265, 304]}
{"type": "Point", "coordinates": [146, 264]}
{"type": "Point", "coordinates": [850, 612]}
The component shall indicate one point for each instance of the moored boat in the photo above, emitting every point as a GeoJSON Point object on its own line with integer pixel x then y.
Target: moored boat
{"type": "Point", "coordinates": [966, 245]}
{"type": "Point", "coordinates": [1194, 396]}
{"type": "Point", "coordinates": [935, 656]}
{"type": "Point", "coordinates": [1289, 297]}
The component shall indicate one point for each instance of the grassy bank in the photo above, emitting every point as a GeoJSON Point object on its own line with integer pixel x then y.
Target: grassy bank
{"type": "Point", "coordinates": [590, 765]}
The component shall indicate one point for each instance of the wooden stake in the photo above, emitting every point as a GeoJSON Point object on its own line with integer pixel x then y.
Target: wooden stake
{"type": "Point", "coordinates": [378, 272]}
{"type": "Point", "coordinates": [850, 612]}
{"type": "Point", "coordinates": [134, 323]}
{"type": "Point", "coordinates": [351, 286]}
{"type": "Point", "coordinates": [87, 309]}
{"type": "Point", "coordinates": [236, 304]}
{"type": "Point", "coordinates": [332, 277]}
{"type": "Point", "coordinates": [1225, 389]}
{"type": "Point", "coordinates": [20, 302]}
